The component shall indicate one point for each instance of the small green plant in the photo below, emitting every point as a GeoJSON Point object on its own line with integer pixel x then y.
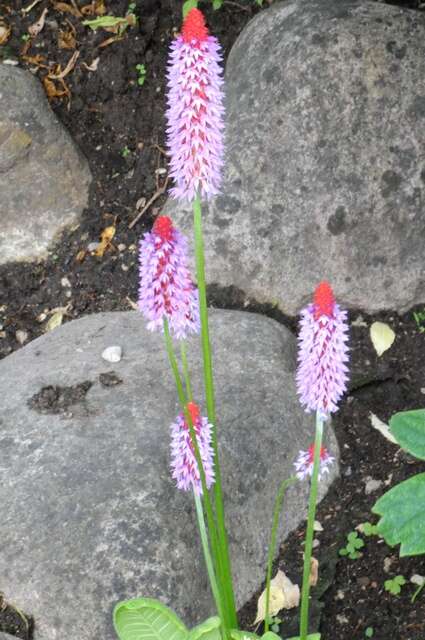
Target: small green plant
{"type": "Point", "coordinates": [353, 544]}
{"type": "Point", "coordinates": [417, 592]}
{"type": "Point", "coordinates": [369, 632]}
{"type": "Point", "coordinates": [274, 623]}
{"type": "Point", "coordinates": [25, 37]}
{"type": "Point", "coordinates": [394, 585]}
{"type": "Point", "coordinates": [125, 152]}
{"type": "Point", "coordinates": [419, 317]}
{"type": "Point", "coordinates": [131, 9]}
{"type": "Point", "coordinates": [369, 529]}
{"type": "Point", "coordinates": [141, 72]}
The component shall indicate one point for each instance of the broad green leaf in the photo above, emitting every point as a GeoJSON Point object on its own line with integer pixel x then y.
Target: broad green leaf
{"type": "Point", "coordinates": [408, 428]}
{"type": "Point", "coordinates": [403, 516]}
{"type": "Point", "coordinates": [312, 636]}
{"type": "Point", "coordinates": [105, 22]}
{"type": "Point", "coordinates": [236, 634]}
{"type": "Point", "coordinates": [382, 337]}
{"type": "Point", "coordinates": [270, 636]}
{"type": "Point", "coordinates": [208, 630]}
{"type": "Point", "coordinates": [147, 619]}
{"type": "Point", "coordinates": [188, 5]}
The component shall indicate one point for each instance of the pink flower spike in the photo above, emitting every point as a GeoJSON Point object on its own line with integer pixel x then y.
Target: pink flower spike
{"type": "Point", "coordinates": [195, 111]}
{"type": "Point", "coordinates": [304, 463]}
{"type": "Point", "coordinates": [184, 467]}
{"type": "Point", "coordinates": [166, 289]}
{"type": "Point", "coordinates": [322, 353]}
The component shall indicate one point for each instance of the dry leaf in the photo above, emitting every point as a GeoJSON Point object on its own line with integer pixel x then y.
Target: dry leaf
{"type": "Point", "coordinates": [69, 67]}
{"type": "Point", "coordinates": [38, 26]}
{"type": "Point", "coordinates": [317, 526]}
{"type": "Point", "coordinates": [93, 66]}
{"type": "Point", "coordinates": [52, 91]}
{"type": "Point", "coordinates": [38, 60]}
{"type": "Point", "coordinates": [382, 337]}
{"type": "Point", "coordinates": [30, 6]}
{"type": "Point", "coordinates": [5, 31]}
{"type": "Point", "coordinates": [105, 240]}
{"type": "Point", "coordinates": [66, 40]}
{"type": "Point", "coordinates": [95, 8]}
{"type": "Point", "coordinates": [382, 428]}
{"type": "Point", "coordinates": [81, 255]}
{"type": "Point", "coordinates": [64, 7]}
{"type": "Point", "coordinates": [283, 595]}
{"type": "Point", "coordinates": [132, 304]}
{"type": "Point", "coordinates": [109, 41]}
{"type": "Point", "coordinates": [314, 572]}
{"type": "Point", "coordinates": [54, 321]}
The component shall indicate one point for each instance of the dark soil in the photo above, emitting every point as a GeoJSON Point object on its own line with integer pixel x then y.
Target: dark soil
{"type": "Point", "coordinates": [119, 126]}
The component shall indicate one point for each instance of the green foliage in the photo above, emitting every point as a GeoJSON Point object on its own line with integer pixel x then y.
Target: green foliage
{"type": "Point", "coordinates": [141, 618]}
{"type": "Point", "coordinates": [394, 585]}
{"type": "Point", "coordinates": [125, 152]}
{"type": "Point", "coordinates": [274, 623]}
{"type": "Point", "coordinates": [417, 592]}
{"type": "Point", "coordinates": [369, 529]}
{"type": "Point", "coordinates": [402, 508]}
{"type": "Point", "coordinates": [188, 5]}
{"type": "Point", "coordinates": [217, 4]}
{"type": "Point", "coordinates": [369, 632]}
{"type": "Point", "coordinates": [408, 428]}
{"type": "Point", "coordinates": [208, 630]}
{"type": "Point", "coordinates": [353, 544]}
{"type": "Point", "coordinates": [236, 634]}
{"type": "Point", "coordinates": [419, 317]}
{"type": "Point", "coordinates": [131, 9]}
{"type": "Point", "coordinates": [311, 636]}
{"type": "Point", "coordinates": [141, 72]}
{"type": "Point", "coordinates": [25, 37]}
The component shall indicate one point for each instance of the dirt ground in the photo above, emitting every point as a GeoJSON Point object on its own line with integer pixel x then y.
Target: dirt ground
{"type": "Point", "coordinates": [119, 125]}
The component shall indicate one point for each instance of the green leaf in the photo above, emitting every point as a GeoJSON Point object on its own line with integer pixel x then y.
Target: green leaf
{"type": "Point", "coordinates": [217, 4]}
{"type": "Point", "coordinates": [312, 636]}
{"type": "Point", "coordinates": [147, 619]}
{"type": "Point", "coordinates": [408, 428]}
{"type": "Point", "coordinates": [105, 21]}
{"type": "Point", "coordinates": [188, 5]}
{"type": "Point", "coordinates": [236, 634]}
{"type": "Point", "coordinates": [270, 636]}
{"type": "Point", "coordinates": [208, 630]}
{"type": "Point", "coordinates": [369, 632]}
{"type": "Point", "coordinates": [403, 516]}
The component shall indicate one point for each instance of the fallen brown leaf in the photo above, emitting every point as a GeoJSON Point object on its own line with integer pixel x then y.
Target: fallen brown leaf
{"type": "Point", "coordinates": [93, 66]}
{"type": "Point", "coordinates": [53, 91]}
{"type": "Point", "coordinates": [38, 60]}
{"type": "Point", "coordinates": [38, 26]}
{"type": "Point", "coordinates": [30, 6]}
{"type": "Point", "coordinates": [5, 31]}
{"type": "Point", "coordinates": [64, 7]}
{"type": "Point", "coordinates": [81, 255]}
{"type": "Point", "coordinates": [109, 41]}
{"type": "Point", "coordinates": [66, 40]}
{"type": "Point", "coordinates": [69, 67]}
{"type": "Point", "coordinates": [95, 8]}
{"type": "Point", "coordinates": [105, 240]}
{"type": "Point", "coordinates": [314, 572]}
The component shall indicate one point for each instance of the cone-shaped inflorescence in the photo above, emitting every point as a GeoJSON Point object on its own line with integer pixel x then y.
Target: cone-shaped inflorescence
{"type": "Point", "coordinates": [195, 111]}
{"type": "Point", "coordinates": [323, 353]}
{"type": "Point", "coordinates": [304, 463]}
{"type": "Point", "coordinates": [184, 467]}
{"type": "Point", "coordinates": [166, 289]}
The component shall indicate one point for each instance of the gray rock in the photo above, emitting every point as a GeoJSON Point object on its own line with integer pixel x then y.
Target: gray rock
{"type": "Point", "coordinates": [325, 173]}
{"type": "Point", "coordinates": [90, 514]}
{"type": "Point", "coordinates": [44, 179]}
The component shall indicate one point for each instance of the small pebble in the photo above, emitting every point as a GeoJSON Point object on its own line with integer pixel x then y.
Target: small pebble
{"type": "Point", "coordinates": [364, 581]}
{"type": "Point", "coordinates": [342, 619]}
{"type": "Point", "coordinates": [339, 595]}
{"type": "Point", "coordinates": [21, 336]}
{"type": "Point", "coordinates": [124, 267]}
{"type": "Point", "coordinates": [417, 579]}
{"type": "Point", "coordinates": [387, 564]}
{"type": "Point", "coordinates": [122, 247]}
{"type": "Point", "coordinates": [316, 543]}
{"type": "Point", "coordinates": [92, 246]}
{"type": "Point", "coordinates": [112, 354]}
{"type": "Point", "coordinates": [65, 282]}
{"type": "Point", "coordinates": [372, 485]}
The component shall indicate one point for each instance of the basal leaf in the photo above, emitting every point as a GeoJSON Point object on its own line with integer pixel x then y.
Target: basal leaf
{"type": "Point", "coordinates": [147, 619]}
{"type": "Point", "coordinates": [188, 5]}
{"type": "Point", "coordinates": [403, 516]}
{"type": "Point", "coordinates": [208, 630]}
{"type": "Point", "coordinates": [408, 428]}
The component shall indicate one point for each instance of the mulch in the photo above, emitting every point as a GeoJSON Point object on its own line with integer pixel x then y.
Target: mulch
{"type": "Point", "coordinates": [119, 125]}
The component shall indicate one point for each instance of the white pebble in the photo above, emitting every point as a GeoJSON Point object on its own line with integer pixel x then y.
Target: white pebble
{"type": "Point", "coordinates": [21, 336]}
{"type": "Point", "coordinates": [65, 282]}
{"type": "Point", "coordinates": [112, 354]}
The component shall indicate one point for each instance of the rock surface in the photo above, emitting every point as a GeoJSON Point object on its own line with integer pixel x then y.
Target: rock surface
{"type": "Point", "coordinates": [44, 179]}
{"type": "Point", "coordinates": [90, 514]}
{"type": "Point", "coordinates": [325, 172]}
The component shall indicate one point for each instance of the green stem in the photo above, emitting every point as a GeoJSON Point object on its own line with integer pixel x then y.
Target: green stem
{"type": "Point", "coordinates": [183, 403]}
{"type": "Point", "coordinates": [310, 530]}
{"type": "Point", "coordinates": [207, 555]}
{"type": "Point", "coordinates": [210, 401]}
{"type": "Point", "coordinates": [185, 367]}
{"type": "Point", "coordinates": [272, 547]}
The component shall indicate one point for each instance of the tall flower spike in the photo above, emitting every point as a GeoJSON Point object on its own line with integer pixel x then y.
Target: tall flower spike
{"type": "Point", "coordinates": [323, 353]}
{"type": "Point", "coordinates": [184, 467]}
{"type": "Point", "coordinates": [195, 111]}
{"type": "Point", "coordinates": [166, 289]}
{"type": "Point", "coordinates": [304, 463]}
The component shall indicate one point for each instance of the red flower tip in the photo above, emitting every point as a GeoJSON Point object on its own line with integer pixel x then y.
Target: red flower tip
{"type": "Point", "coordinates": [163, 227]}
{"type": "Point", "coordinates": [323, 453]}
{"type": "Point", "coordinates": [193, 411]}
{"type": "Point", "coordinates": [194, 27]}
{"type": "Point", "coordinates": [324, 300]}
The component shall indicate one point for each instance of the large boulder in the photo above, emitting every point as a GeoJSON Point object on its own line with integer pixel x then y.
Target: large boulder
{"type": "Point", "coordinates": [90, 514]}
{"type": "Point", "coordinates": [325, 171]}
{"type": "Point", "coordinates": [44, 179]}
